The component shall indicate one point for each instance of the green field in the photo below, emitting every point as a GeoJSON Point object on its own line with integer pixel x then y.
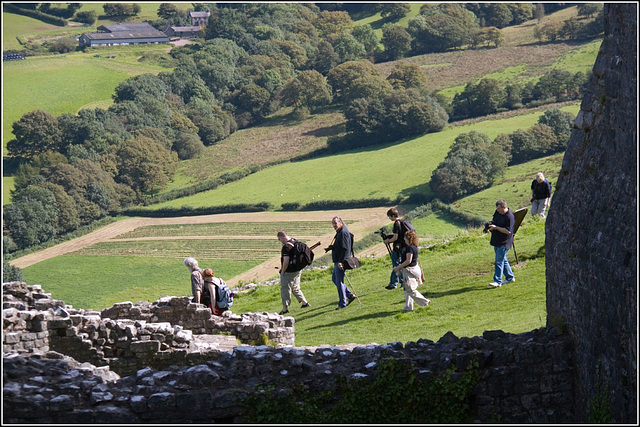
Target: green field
{"type": "Point", "coordinates": [218, 249]}
{"type": "Point", "coordinates": [399, 169]}
{"type": "Point", "coordinates": [457, 276]}
{"type": "Point", "coordinates": [96, 282]}
{"type": "Point", "coordinates": [17, 25]}
{"type": "Point", "coordinates": [580, 59]}
{"type": "Point", "coordinates": [297, 228]}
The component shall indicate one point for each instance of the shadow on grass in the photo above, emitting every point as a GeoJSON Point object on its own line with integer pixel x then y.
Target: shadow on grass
{"type": "Point", "coordinates": [430, 294]}
{"type": "Point", "coordinates": [357, 318]}
{"type": "Point", "coordinates": [326, 131]}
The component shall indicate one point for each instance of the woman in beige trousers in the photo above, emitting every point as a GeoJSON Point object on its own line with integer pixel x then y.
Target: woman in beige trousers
{"type": "Point", "coordinates": [411, 273]}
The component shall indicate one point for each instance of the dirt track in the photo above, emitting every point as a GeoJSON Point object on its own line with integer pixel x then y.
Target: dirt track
{"type": "Point", "coordinates": [367, 219]}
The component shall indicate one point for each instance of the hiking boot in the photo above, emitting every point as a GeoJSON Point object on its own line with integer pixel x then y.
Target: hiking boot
{"type": "Point", "coordinates": [284, 312]}
{"type": "Point", "coordinates": [305, 305]}
{"type": "Point", "coordinates": [495, 284]}
{"type": "Point", "coordinates": [390, 287]}
{"type": "Point", "coordinates": [351, 299]}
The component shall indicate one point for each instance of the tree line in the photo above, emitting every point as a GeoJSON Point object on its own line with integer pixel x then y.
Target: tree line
{"type": "Point", "coordinates": [488, 96]}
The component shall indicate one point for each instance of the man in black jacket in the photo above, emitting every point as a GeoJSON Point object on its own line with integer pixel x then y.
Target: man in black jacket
{"type": "Point", "coordinates": [340, 250]}
{"type": "Point", "coordinates": [540, 195]}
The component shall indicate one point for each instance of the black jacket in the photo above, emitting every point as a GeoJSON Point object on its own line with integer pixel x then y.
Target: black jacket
{"type": "Point", "coordinates": [507, 221]}
{"type": "Point", "coordinates": [341, 245]}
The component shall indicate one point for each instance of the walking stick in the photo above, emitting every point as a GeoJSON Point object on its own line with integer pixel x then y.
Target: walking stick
{"type": "Point", "coordinates": [352, 288]}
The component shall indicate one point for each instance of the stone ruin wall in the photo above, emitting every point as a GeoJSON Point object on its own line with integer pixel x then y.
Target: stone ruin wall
{"type": "Point", "coordinates": [130, 363]}
{"type": "Point", "coordinates": [591, 230]}
{"type": "Point", "coordinates": [128, 337]}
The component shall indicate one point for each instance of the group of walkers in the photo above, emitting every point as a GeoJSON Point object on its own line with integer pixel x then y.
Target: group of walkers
{"type": "Point", "coordinates": [406, 269]}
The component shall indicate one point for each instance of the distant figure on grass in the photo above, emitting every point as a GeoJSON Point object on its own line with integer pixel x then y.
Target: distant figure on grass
{"type": "Point", "coordinates": [289, 274]}
{"type": "Point", "coordinates": [196, 278]}
{"type": "Point", "coordinates": [400, 227]}
{"type": "Point", "coordinates": [540, 195]}
{"type": "Point", "coordinates": [340, 249]}
{"type": "Point", "coordinates": [411, 272]}
{"type": "Point", "coordinates": [209, 293]}
{"type": "Point", "coordinates": [501, 227]}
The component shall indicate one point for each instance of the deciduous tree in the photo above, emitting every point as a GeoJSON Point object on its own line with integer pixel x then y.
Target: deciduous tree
{"type": "Point", "coordinates": [36, 132]}
{"type": "Point", "coordinates": [396, 41]}
{"type": "Point", "coordinates": [406, 76]}
{"type": "Point", "coordinates": [145, 165]}
{"type": "Point", "coordinates": [394, 11]}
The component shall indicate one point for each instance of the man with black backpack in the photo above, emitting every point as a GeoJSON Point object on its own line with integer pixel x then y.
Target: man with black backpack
{"type": "Point", "coordinates": [400, 227]}
{"type": "Point", "coordinates": [290, 272]}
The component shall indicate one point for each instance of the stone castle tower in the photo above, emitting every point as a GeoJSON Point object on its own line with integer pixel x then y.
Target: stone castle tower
{"type": "Point", "coordinates": [591, 232]}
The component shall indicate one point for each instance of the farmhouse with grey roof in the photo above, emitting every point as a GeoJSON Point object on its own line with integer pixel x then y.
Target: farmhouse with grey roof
{"type": "Point", "coordinates": [123, 34]}
{"type": "Point", "coordinates": [199, 18]}
{"type": "Point", "coordinates": [183, 32]}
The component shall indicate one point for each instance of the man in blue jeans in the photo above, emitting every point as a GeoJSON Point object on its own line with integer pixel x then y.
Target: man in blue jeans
{"type": "Point", "coordinates": [397, 239]}
{"type": "Point", "coordinates": [340, 250]}
{"type": "Point", "coordinates": [501, 227]}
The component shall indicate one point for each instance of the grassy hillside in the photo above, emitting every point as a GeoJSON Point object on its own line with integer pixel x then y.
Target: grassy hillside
{"type": "Point", "coordinates": [457, 275]}
{"type": "Point", "coordinates": [522, 34]}
{"type": "Point", "coordinates": [388, 171]}
{"type": "Point", "coordinates": [277, 138]}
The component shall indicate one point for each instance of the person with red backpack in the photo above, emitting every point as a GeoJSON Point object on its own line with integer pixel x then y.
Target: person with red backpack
{"type": "Point", "coordinates": [400, 227]}
{"type": "Point", "coordinates": [290, 273]}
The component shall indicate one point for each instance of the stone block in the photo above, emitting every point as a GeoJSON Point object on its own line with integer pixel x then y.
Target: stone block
{"type": "Point", "coordinates": [151, 346]}
{"type": "Point", "coordinates": [114, 415]}
{"type": "Point", "coordinates": [29, 336]}
{"type": "Point", "coordinates": [138, 403]}
{"type": "Point", "coordinates": [77, 416]}
{"type": "Point", "coordinates": [11, 338]}
{"type": "Point", "coordinates": [161, 401]}
{"type": "Point", "coordinates": [39, 326]}
{"type": "Point", "coordinates": [194, 403]}
{"type": "Point", "coordinates": [60, 323]}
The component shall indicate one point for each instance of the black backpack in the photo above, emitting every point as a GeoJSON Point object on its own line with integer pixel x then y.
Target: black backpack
{"type": "Point", "coordinates": [404, 227]}
{"type": "Point", "coordinates": [300, 256]}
